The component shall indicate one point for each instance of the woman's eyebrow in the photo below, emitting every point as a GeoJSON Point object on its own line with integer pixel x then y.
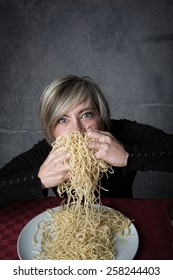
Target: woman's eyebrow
{"type": "Point", "coordinates": [86, 109]}
{"type": "Point", "coordinates": [66, 116]}
{"type": "Point", "coordinates": [80, 112]}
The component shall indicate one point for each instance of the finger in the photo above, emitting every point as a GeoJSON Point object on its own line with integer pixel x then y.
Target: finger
{"type": "Point", "coordinates": [97, 134]}
{"type": "Point", "coordinates": [94, 146]}
{"type": "Point", "coordinates": [57, 168]}
{"type": "Point", "coordinates": [58, 150]}
{"type": "Point", "coordinates": [59, 156]}
{"type": "Point", "coordinates": [61, 165]}
{"type": "Point", "coordinates": [101, 150]}
{"type": "Point", "coordinates": [63, 176]}
{"type": "Point", "coordinates": [65, 156]}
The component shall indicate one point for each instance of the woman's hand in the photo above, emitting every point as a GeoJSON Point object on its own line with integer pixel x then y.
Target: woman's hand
{"type": "Point", "coordinates": [107, 148]}
{"type": "Point", "coordinates": [54, 170]}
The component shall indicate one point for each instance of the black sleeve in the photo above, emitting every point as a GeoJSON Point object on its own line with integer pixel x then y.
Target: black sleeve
{"type": "Point", "coordinates": [149, 148]}
{"type": "Point", "coordinates": [18, 178]}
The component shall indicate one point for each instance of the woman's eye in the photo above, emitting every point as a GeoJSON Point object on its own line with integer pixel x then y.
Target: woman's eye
{"type": "Point", "coordinates": [87, 115]}
{"type": "Point", "coordinates": [62, 120]}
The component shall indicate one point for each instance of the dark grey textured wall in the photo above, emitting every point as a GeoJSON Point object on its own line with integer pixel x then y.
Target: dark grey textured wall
{"type": "Point", "coordinates": [125, 45]}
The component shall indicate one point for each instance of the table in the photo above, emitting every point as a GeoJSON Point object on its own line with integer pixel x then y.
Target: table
{"type": "Point", "coordinates": [150, 217]}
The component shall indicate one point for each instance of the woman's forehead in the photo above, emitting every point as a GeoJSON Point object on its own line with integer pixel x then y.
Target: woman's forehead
{"type": "Point", "coordinates": [81, 106]}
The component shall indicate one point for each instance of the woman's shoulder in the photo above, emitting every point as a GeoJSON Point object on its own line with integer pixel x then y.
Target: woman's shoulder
{"type": "Point", "coordinates": [42, 147]}
{"type": "Point", "coordinates": [43, 144]}
{"type": "Point", "coordinates": [118, 125]}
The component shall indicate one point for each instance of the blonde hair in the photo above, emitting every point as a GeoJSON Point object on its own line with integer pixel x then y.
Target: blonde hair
{"type": "Point", "coordinates": [63, 94]}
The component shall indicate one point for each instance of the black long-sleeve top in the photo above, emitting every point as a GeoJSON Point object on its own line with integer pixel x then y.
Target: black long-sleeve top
{"type": "Point", "coordinates": [149, 149]}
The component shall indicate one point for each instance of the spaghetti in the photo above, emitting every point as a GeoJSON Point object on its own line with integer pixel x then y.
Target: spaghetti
{"type": "Point", "coordinates": [82, 229]}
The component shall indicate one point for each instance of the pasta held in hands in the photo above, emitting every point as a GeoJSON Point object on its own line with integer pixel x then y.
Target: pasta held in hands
{"type": "Point", "coordinates": [85, 170]}
{"type": "Point", "coordinates": [82, 229]}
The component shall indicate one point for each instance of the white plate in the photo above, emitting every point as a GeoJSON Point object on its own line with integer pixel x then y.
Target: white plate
{"type": "Point", "coordinates": [126, 247]}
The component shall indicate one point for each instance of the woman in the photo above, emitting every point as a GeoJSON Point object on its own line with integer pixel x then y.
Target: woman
{"type": "Point", "coordinates": [77, 104]}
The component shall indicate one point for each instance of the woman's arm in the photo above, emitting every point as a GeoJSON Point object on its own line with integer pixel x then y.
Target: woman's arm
{"type": "Point", "coordinates": [134, 146]}
{"type": "Point", "coordinates": [18, 178]}
{"type": "Point", "coordinates": [149, 148]}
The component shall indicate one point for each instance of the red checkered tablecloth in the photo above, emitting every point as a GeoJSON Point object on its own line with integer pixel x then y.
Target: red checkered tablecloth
{"type": "Point", "coordinates": [12, 221]}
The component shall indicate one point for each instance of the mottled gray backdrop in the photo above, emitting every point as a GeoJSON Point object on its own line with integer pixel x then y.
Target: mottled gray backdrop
{"type": "Point", "coordinates": [125, 45]}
